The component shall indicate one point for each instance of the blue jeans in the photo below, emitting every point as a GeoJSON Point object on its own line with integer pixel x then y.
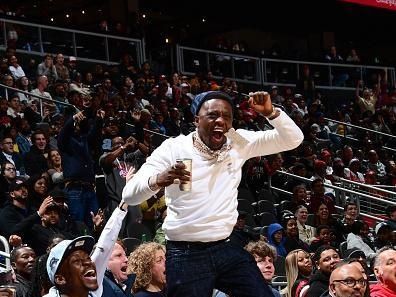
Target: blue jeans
{"type": "Point", "coordinates": [81, 201]}
{"type": "Point", "coordinates": [194, 270]}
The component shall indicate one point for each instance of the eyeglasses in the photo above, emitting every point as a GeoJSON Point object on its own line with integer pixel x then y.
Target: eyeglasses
{"type": "Point", "coordinates": [9, 169]}
{"type": "Point", "coordinates": [351, 282]}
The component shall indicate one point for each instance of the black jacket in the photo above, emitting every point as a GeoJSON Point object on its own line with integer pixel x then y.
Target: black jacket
{"type": "Point", "coordinates": [318, 284]}
{"type": "Point", "coordinates": [35, 162]}
{"type": "Point", "coordinates": [112, 289]}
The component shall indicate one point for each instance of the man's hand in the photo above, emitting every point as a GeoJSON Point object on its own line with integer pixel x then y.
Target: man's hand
{"type": "Point", "coordinates": [15, 240]}
{"type": "Point", "coordinates": [101, 113]}
{"type": "Point", "coordinates": [43, 207]}
{"type": "Point", "coordinates": [176, 171]}
{"type": "Point", "coordinates": [261, 103]}
{"type": "Point", "coordinates": [97, 219]}
{"type": "Point", "coordinates": [78, 117]}
{"type": "Point", "coordinates": [130, 174]}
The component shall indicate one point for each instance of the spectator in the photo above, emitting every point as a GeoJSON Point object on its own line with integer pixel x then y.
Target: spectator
{"type": "Point", "coordinates": [117, 282]}
{"type": "Point", "coordinates": [23, 139]}
{"type": "Point", "coordinates": [292, 240]}
{"type": "Point", "coordinates": [147, 261]}
{"type": "Point", "coordinates": [75, 141]}
{"type": "Point", "coordinates": [318, 196]}
{"type": "Point", "coordinates": [17, 215]}
{"type": "Point", "coordinates": [344, 226]}
{"type": "Point", "coordinates": [347, 280]}
{"type": "Point", "coordinates": [368, 101]}
{"type": "Point", "coordinates": [39, 278]}
{"type": "Point", "coordinates": [22, 260]}
{"type": "Point", "coordinates": [339, 76]}
{"type": "Point", "coordinates": [8, 154]}
{"type": "Point", "coordinates": [352, 173]}
{"type": "Point", "coordinates": [48, 69]}
{"type": "Point", "coordinates": [55, 170]}
{"type": "Point", "coordinates": [14, 109]}
{"type": "Point", "coordinates": [38, 188]}
{"type": "Point", "coordinates": [265, 256]}
{"type": "Point", "coordinates": [306, 85]}
{"type": "Point", "coordinates": [373, 163]}
{"type": "Point", "coordinates": [322, 216]}
{"type": "Point", "coordinates": [298, 270]}
{"type": "Point", "coordinates": [85, 279]}
{"type": "Point", "coordinates": [276, 238]}
{"type": "Point", "coordinates": [8, 175]}
{"type": "Point", "coordinates": [325, 259]}
{"type": "Point", "coordinates": [323, 237]}
{"type": "Point", "coordinates": [384, 270]}
{"type": "Point", "coordinates": [36, 158]}
{"type": "Point", "coordinates": [61, 70]}
{"type": "Point", "coordinates": [123, 157]}
{"type": "Point", "coordinates": [15, 69]}
{"type": "Point", "coordinates": [305, 232]}
{"type": "Point", "coordinates": [23, 84]}
{"type": "Point", "coordinates": [384, 236]}
{"type": "Point", "coordinates": [355, 239]}
{"type": "Point", "coordinates": [391, 213]}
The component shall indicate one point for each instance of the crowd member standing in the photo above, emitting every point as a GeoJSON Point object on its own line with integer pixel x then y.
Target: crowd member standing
{"type": "Point", "coordinates": [200, 221]}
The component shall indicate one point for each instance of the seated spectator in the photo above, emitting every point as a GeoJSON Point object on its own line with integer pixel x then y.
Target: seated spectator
{"type": "Point", "coordinates": [242, 234]}
{"type": "Point", "coordinates": [55, 170]}
{"type": "Point", "coordinates": [323, 237]}
{"type": "Point", "coordinates": [339, 76]}
{"type": "Point", "coordinates": [147, 261]}
{"type": "Point", "coordinates": [292, 240]}
{"type": "Point", "coordinates": [391, 213]}
{"type": "Point", "coordinates": [320, 172]}
{"type": "Point", "coordinates": [15, 69]}
{"type": "Point", "coordinates": [300, 197]}
{"type": "Point", "coordinates": [48, 68]}
{"type": "Point", "coordinates": [39, 277]}
{"type": "Point", "coordinates": [353, 172]}
{"type": "Point", "coordinates": [8, 175]}
{"type": "Point", "coordinates": [344, 226]}
{"type": "Point", "coordinates": [17, 214]}
{"type": "Point", "coordinates": [14, 107]}
{"type": "Point", "coordinates": [275, 238]}
{"type": "Point", "coordinates": [61, 69]}
{"type": "Point", "coordinates": [298, 271]}
{"type": "Point", "coordinates": [38, 187]}
{"type": "Point", "coordinates": [373, 163]}
{"type": "Point", "coordinates": [384, 270]}
{"type": "Point", "coordinates": [22, 260]}
{"type": "Point", "coordinates": [305, 232]}
{"type": "Point", "coordinates": [325, 259]}
{"type": "Point", "coordinates": [23, 139]}
{"type": "Point", "coordinates": [7, 154]}
{"type": "Point", "coordinates": [323, 217]}
{"type": "Point", "coordinates": [354, 239]}
{"type": "Point", "coordinates": [318, 196]}
{"type": "Point", "coordinates": [384, 236]}
{"type": "Point", "coordinates": [347, 280]}
{"type": "Point", "coordinates": [265, 256]}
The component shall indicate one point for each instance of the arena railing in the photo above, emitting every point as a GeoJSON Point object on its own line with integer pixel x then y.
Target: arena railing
{"type": "Point", "coordinates": [342, 193]}
{"type": "Point", "coordinates": [5, 253]}
{"type": "Point", "coordinates": [92, 47]}
{"type": "Point", "coordinates": [40, 98]}
{"type": "Point", "coordinates": [265, 71]}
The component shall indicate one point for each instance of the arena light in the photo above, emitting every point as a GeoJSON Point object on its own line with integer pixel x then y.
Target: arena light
{"type": "Point", "coordinates": [143, 16]}
{"type": "Point", "coordinates": [166, 40]}
{"type": "Point", "coordinates": [203, 20]}
{"type": "Point", "coordinates": [83, 11]}
{"type": "Point", "coordinates": [67, 15]}
{"type": "Point", "coordinates": [51, 19]}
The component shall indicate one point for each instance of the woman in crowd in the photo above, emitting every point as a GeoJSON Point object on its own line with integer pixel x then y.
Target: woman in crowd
{"type": "Point", "coordinates": [8, 174]}
{"type": "Point", "coordinates": [292, 240]}
{"type": "Point", "coordinates": [38, 187]}
{"type": "Point", "coordinates": [305, 232]}
{"type": "Point", "coordinates": [23, 84]}
{"type": "Point", "coordinates": [55, 170]}
{"type": "Point", "coordinates": [322, 216]}
{"type": "Point", "coordinates": [325, 259]}
{"type": "Point", "coordinates": [298, 270]}
{"type": "Point", "coordinates": [148, 263]}
{"type": "Point", "coordinates": [265, 256]}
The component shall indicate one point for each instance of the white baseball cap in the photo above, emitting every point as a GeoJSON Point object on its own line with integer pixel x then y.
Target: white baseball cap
{"type": "Point", "coordinates": [60, 252]}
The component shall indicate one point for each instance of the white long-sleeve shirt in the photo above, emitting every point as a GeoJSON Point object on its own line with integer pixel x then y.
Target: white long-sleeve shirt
{"type": "Point", "coordinates": [102, 250]}
{"type": "Point", "coordinates": [355, 241]}
{"type": "Point", "coordinates": [209, 211]}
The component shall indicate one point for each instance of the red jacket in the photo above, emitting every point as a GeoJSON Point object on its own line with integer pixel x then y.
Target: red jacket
{"type": "Point", "coordinates": [378, 290]}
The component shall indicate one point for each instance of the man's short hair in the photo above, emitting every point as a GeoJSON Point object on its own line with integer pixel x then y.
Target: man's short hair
{"type": "Point", "coordinates": [377, 261]}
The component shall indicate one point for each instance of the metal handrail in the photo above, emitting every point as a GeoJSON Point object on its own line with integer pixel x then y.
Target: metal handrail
{"type": "Point", "coordinates": [367, 186]}
{"type": "Point", "coordinates": [341, 189]}
{"type": "Point", "coordinates": [358, 127]}
{"type": "Point", "coordinates": [40, 98]}
{"type": "Point", "coordinates": [6, 253]}
{"type": "Point", "coordinates": [140, 46]}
